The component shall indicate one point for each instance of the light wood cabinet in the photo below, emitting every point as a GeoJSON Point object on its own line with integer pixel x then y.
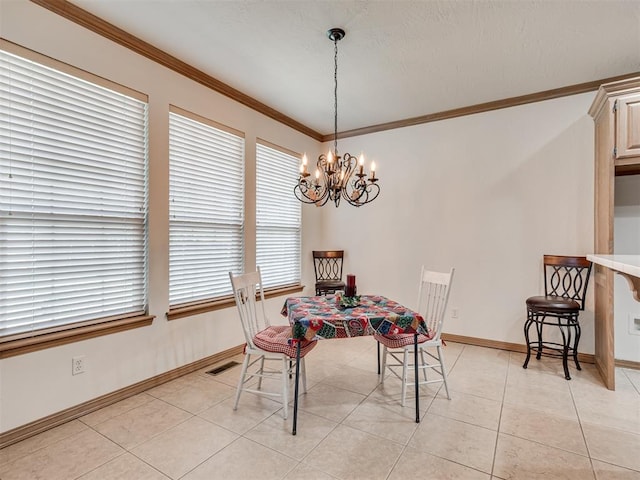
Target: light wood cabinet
{"type": "Point", "coordinates": [616, 113]}
{"type": "Point", "coordinates": [627, 111]}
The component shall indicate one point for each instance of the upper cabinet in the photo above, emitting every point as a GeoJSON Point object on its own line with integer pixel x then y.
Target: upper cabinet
{"type": "Point", "coordinates": [616, 112]}
{"type": "Point", "coordinates": [627, 110]}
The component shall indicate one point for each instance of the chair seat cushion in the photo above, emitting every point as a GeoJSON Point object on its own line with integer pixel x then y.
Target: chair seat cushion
{"type": "Point", "coordinates": [552, 303]}
{"type": "Point", "coordinates": [399, 340]}
{"type": "Point", "coordinates": [277, 339]}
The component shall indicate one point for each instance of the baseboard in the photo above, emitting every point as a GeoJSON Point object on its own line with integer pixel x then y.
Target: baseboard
{"type": "Point", "coordinates": [521, 348]}
{"type": "Point", "coordinates": [628, 364]}
{"type": "Point", "coordinates": [511, 347]}
{"type": "Point", "coordinates": [33, 428]}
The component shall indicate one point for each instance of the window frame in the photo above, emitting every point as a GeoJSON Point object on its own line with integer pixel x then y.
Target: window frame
{"type": "Point", "coordinates": [34, 340]}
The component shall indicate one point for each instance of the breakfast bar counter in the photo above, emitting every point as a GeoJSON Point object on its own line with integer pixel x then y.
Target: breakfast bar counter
{"type": "Point", "coordinates": [626, 265]}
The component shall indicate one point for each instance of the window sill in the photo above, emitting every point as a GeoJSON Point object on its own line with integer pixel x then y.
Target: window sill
{"type": "Point", "coordinates": [187, 310]}
{"type": "Point", "coordinates": [22, 343]}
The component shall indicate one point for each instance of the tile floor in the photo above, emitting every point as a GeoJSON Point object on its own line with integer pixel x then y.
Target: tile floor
{"type": "Point", "coordinates": [502, 422]}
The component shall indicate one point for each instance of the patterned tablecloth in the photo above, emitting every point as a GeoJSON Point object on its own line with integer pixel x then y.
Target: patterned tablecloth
{"type": "Point", "coordinates": [316, 318]}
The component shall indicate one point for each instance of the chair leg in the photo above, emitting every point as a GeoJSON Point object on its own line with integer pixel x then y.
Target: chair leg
{"type": "Point", "coordinates": [245, 364]}
{"type": "Point", "coordinates": [285, 388]}
{"type": "Point", "coordinates": [422, 365]}
{"type": "Point", "coordinates": [405, 359]}
{"type": "Point", "coordinates": [443, 370]}
{"type": "Point", "coordinates": [539, 325]}
{"type": "Point", "coordinates": [527, 326]}
{"type": "Point", "coordinates": [566, 341]}
{"type": "Point", "coordinates": [575, 345]}
{"type": "Point", "coordinates": [383, 366]}
{"type": "Point", "coordinates": [303, 372]}
{"type": "Point", "coordinates": [260, 371]}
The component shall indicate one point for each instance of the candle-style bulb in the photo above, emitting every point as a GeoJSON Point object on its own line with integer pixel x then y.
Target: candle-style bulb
{"type": "Point", "coordinates": [304, 160]}
{"type": "Point", "coordinates": [330, 157]}
{"type": "Point", "coordinates": [317, 174]}
{"type": "Point", "coordinates": [361, 161]}
{"type": "Point", "coordinates": [373, 169]}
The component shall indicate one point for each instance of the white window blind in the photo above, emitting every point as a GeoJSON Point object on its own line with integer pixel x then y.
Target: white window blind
{"type": "Point", "coordinates": [206, 227]}
{"type": "Point", "coordinates": [278, 216]}
{"type": "Point", "coordinates": [72, 199]}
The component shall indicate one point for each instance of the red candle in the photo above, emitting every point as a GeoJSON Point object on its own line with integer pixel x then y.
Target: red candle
{"type": "Point", "coordinates": [351, 280]}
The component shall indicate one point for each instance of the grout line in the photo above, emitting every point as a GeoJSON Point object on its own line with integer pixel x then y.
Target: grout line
{"type": "Point", "coordinates": [633, 384]}
{"type": "Point", "coordinates": [584, 437]}
{"type": "Point", "coordinates": [504, 393]}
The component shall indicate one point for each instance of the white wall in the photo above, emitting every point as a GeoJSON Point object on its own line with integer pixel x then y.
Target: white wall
{"type": "Point", "coordinates": [38, 384]}
{"type": "Point", "coordinates": [488, 194]}
{"type": "Point", "coordinates": [626, 239]}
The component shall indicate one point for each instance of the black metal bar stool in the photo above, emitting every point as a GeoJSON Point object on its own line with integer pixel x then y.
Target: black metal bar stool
{"type": "Point", "coordinates": [565, 283]}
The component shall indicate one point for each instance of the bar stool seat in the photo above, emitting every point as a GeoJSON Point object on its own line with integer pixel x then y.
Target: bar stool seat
{"type": "Point", "coordinates": [552, 303]}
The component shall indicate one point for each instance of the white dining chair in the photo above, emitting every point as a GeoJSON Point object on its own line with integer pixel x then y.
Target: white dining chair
{"type": "Point", "coordinates": [265, 343]}
{"type": "Point", "coordinates": [433, 296]}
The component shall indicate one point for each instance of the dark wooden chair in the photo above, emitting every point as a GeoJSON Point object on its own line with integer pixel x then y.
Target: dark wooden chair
{"type": "Point", "coordinates": [566, 279]}
{"type": "Point", "coordinates": [328, 267]}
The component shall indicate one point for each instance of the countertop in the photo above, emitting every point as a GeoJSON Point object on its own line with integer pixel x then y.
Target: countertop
{"type": "Point", "coordinates": [629, 264]}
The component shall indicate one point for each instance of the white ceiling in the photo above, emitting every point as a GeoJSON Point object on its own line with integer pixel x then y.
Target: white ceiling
{"type": "Point", "coordinates": [399, 59]}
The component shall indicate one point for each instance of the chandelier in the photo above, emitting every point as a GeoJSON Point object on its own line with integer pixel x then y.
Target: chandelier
{"type": "Point", "coordinates": [337, 177]}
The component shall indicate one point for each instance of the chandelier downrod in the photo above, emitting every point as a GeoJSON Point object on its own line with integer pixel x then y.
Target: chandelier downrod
{"type": "Point", "coordinates": [336, 176]}
{"type": "Point", "coordinates": [335, 34]}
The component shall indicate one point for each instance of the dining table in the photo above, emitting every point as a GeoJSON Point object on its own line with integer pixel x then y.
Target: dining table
{"type": "Point", "coordinates": [334, 316]}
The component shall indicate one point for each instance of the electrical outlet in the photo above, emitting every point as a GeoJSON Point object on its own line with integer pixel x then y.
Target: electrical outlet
{"type": "Point", "coordinates": [454, 313]}
{"type": "Point", "coordinates": [77, 365]}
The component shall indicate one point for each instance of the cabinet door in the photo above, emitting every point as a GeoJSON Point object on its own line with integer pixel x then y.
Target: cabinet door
{"type": "Point", "coordinates": [628, 126]}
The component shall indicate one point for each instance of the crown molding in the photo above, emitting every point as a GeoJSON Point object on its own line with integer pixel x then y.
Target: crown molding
{"type": "Point", "coordinates": [97, 25]}
{"type": "Point", "coordinates": [488, 106]}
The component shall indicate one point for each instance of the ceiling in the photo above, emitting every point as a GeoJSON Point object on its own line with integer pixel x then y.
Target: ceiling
{"type": "Point", "coordinates": [400, 58]}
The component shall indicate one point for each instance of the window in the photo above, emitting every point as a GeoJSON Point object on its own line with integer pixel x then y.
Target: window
{"type": "Point", "coordinates": [206, 226]}
{"type": "Point", "coordinates": [72, 200]}
{"type": "Point", "coordinates": [278, 216]}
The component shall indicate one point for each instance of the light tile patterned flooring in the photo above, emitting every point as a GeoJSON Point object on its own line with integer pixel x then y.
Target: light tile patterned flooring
{"type": "Point", "coordinates": [503, 422]}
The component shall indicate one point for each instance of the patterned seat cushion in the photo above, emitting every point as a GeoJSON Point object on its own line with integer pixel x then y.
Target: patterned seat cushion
{"type": "Point", "coordinates": [276, 339]}
{"type": "Point", "coordinates": [400, 340]}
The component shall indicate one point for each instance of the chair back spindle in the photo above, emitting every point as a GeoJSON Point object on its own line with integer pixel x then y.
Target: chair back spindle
{"type": "Point", "coordinates": [433, 297]}
{"type": "Point", "coordinates": [247, 288]}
